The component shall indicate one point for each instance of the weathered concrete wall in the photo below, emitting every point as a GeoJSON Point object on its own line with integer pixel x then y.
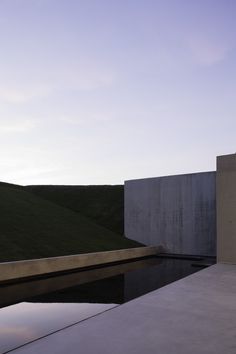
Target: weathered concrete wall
{"type": "Point", "coordinates": [28, 268]}
{"type": "Point", "coordinates": [178, 212]}
{"type": "Point", "coordinates": [226, 208]}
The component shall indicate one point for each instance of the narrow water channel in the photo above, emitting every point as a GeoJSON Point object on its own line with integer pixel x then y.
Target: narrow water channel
{"type": "Point", "coordinates": [37, 308]}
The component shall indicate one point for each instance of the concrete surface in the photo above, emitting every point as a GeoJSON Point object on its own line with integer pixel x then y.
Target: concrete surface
{"type": "Point", "coordinates": [21, 269]}
{"type": "Point", "coordinates": [177, 212]}
{"type": "Point", "coordinates": [193, 315]}
{"type": "Point", "coordinates": [226, 208]}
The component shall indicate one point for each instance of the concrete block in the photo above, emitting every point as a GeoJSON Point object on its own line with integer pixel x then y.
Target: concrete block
{"type": "Point", "coordinates": [226, 208]}
{"type": "Point", "coordinates": [177, 212]}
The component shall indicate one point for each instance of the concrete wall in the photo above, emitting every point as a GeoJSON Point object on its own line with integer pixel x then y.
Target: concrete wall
{"type": "Point", "coordinates": [28, 268]}
{"type": "Point", "coordinates": [178, 212]}
{"type": "Point", "coordinates": [226, 208]}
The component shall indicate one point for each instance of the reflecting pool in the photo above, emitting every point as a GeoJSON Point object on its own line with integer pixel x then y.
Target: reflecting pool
{"type": "Point", "coordinates": [39, 307]}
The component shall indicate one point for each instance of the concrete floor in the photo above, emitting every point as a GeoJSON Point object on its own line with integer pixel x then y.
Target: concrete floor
{"type": "Point", "coordinates": [195, 315]}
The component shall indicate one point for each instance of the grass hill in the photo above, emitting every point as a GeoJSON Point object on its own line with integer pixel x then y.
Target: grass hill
{"type": "Point", "coordinates": [32, 227]}
{"type": "Point", "coordinates": [104, 204]}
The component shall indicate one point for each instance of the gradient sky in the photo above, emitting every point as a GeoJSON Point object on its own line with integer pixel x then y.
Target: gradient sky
{"type": "Point", "coordinates": [101, 91]}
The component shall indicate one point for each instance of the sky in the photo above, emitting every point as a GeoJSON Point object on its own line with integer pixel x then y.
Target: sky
{"type": "Point", "coordinates": [102, 91]}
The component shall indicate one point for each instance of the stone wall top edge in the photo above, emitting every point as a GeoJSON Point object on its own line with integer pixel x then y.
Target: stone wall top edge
{"type": "Point", "coordinates": [82, 255]}
{"type": "Point", "coordinates": [226, 163]}
{"type": "Point", "coordinates": [171, 176]}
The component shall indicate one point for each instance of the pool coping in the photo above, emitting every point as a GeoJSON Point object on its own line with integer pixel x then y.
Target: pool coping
{"type": "Point", "coordinates": [21, 270]}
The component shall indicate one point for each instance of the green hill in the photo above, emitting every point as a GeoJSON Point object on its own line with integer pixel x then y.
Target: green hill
{"type": "Point", "coordinates": [31, 227]}
{"type": "Point", "coordinates": [104, 204]}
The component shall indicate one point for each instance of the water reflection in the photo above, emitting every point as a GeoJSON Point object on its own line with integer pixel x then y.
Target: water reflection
{"type": "Point", "coordinates": [142, 281]}
{"type": "Point", "coordinates": [57, 302]}
{"type": "Point", "coordinates": [25, 322]}
{"type": "Point", "coordinates": [23, 291]}
{"type": "Point", "coordinates": [137, 279]}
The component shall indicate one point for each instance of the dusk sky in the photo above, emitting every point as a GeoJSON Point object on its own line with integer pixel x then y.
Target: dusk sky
{"type": "Point", "coordinates": [101, 91]}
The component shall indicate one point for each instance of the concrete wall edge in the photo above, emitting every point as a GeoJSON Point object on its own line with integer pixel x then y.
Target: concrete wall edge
{"type": "Point", "coordinates": [43, 266]}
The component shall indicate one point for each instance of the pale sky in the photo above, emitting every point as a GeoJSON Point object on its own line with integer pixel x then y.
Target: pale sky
{"type": "Point", "coordinates": [102, 91]}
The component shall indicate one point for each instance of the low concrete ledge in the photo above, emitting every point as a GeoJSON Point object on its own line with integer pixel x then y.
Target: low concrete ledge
{"type": "Point", "coordinates": [28, 268]}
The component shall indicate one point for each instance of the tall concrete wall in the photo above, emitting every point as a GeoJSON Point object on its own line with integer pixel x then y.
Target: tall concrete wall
{"type": "Point", "coordinates": [178, 212]}
{"type": "Point", "coordinates": [226, 208]}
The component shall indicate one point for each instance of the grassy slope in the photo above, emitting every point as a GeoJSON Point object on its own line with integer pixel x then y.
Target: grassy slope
{"type": "Point", "coordinates": [31, 227]}
{"type": "Point", "coordinates": [104, 204]}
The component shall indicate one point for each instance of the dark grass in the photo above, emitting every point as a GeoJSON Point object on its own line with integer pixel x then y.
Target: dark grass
{"type": "Point", "coordinates": [103, 203]}
{"type": "Point", "coordinates": [31, 227]}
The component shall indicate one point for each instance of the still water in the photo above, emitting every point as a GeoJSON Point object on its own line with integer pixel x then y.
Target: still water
{"type": "Point", "coordinates": [34, 309]}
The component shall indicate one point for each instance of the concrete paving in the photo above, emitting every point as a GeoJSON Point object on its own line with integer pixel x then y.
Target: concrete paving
{"type": "Point", "coordinates": [194, 315]}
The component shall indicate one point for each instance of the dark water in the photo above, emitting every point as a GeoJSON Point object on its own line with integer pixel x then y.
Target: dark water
{"type": "Point", "coordinates": [37, 308]}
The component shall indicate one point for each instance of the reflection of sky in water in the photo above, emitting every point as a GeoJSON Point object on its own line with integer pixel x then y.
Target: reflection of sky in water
{"type": "Point", "coordinates": [66, 300]}
{"type": "Point", "coordinates": [25, 322]}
